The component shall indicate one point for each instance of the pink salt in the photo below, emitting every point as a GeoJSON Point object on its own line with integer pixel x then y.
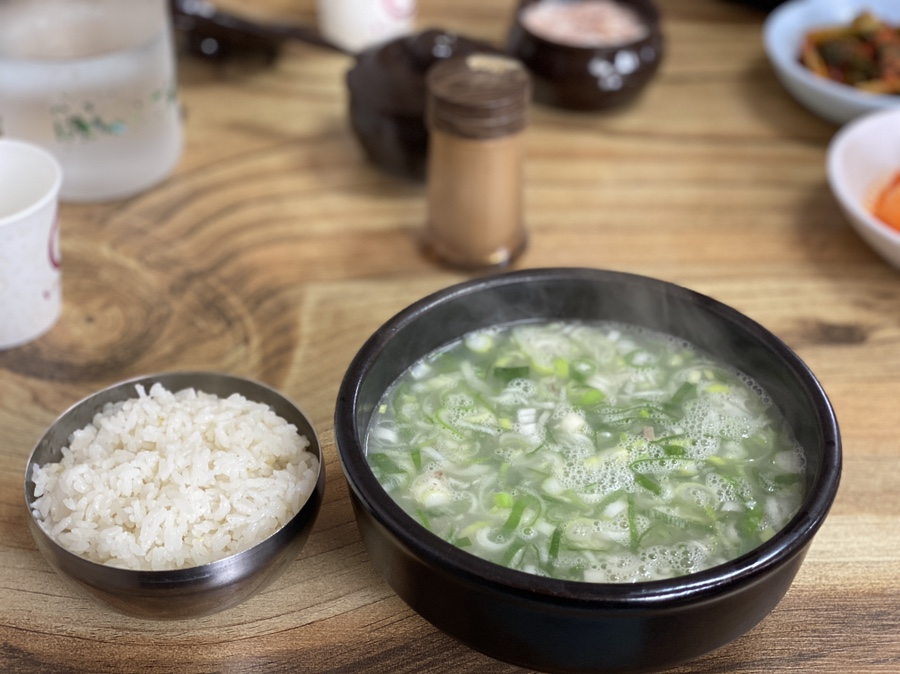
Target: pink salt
{"type": "Point", "coordinates": [584, 23]}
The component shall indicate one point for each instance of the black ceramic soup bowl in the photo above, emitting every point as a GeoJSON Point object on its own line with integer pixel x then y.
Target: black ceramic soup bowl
{"type": "Point", "coordinates": [589, 78]}
{"type": "Point", "coordinates": [565, 626]}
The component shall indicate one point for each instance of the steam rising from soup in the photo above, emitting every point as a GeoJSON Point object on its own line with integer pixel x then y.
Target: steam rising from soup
{"type": "Point", "coordinates": [599, 452]}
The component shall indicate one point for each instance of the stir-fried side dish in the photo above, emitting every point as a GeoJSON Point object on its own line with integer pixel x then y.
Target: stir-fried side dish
{"type": "Point", "coordinates": [865, 54]}
{"type": "Point", "coordinates": [587, 451]}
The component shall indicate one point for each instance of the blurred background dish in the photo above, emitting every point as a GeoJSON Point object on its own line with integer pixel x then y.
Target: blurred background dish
{"type": "Point", "coordinates": [209, 32]}
{"type": "Point", "coordinates": [783, 34]}
{"type": "Point", "coordinates": [387, 93]}
{"type": "Point", "coordinates": [863, 159]}
{"type": "Point", "coordinates": [575, 73]}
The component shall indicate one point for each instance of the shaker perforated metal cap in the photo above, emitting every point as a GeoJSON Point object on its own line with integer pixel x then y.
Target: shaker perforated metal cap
{"type": "Point", "coordinates": [478, 96]}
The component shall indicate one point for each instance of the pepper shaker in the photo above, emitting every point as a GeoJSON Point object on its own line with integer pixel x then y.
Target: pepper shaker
{"type": "Point", "coordinates": [477, 110]}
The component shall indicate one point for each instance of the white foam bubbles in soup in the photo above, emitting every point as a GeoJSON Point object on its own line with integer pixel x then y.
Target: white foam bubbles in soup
{"type": "Point", "coordinates": [598, 452]}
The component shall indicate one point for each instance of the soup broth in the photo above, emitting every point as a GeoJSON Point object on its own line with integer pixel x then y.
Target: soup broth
{"type": "Point", "coordinates": [597, 452]}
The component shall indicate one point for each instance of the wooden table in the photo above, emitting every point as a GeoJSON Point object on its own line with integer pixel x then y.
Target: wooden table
{"type": "Point", "coordinates": [275, 250]}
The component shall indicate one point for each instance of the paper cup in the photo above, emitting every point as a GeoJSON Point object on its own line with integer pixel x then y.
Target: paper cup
{"type": "Point", "coordinates": [30, 287]}
{"type": "Point", "coordinates": [355, 25]}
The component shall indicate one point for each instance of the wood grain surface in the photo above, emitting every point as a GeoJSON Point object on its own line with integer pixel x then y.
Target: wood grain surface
{"type": "Point", "coordinates": [275, 250]}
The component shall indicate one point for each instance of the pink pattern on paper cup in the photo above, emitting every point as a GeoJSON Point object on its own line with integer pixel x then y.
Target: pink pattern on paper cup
{"type": "Point", "coordinates": [53, 245]}
{"type": "Point", "coordinates": [399, 9]}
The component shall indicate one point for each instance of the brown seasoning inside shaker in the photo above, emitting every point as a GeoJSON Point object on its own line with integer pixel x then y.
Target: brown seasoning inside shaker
{"type": "Point", "coordinates": [477, 109]}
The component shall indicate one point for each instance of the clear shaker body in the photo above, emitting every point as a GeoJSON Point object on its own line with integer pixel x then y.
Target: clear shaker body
{"type": "Point", "coordinates": [477, 114]}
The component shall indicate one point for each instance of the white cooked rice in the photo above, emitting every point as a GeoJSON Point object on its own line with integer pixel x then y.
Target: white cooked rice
{"type": "Point", "coordinates": [172, 480]}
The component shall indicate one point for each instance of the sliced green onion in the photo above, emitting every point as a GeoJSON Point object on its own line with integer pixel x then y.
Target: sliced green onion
{"type": "Point", "coordinates": [515, 516]}
{"type": "Point", "coordinates": [633, 534]}
{"type": "Point", "coordinates": [507, 374]}
{"type": "Point", "coordinates": [514, 549]}
{"type": "Point", "coordinates": [503, 500]}
{"type": "Point", "coordinates": [555, 540]}
{"type": "Point", "coordinates": [648, 483]}
{"type": "Point", "coordinates": [423, 518]}
{"type": "Point", "coordinates": [384, 464]}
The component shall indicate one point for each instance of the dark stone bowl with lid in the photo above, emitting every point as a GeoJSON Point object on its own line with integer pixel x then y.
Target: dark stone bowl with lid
{"type": "Point", "coordinates": [387, 97]}
{"type": "Point", "coordinates": [584, 76]}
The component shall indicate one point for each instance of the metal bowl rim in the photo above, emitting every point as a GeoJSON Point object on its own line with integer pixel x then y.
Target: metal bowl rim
{"type": "Point", "coordinates": [210, 569]}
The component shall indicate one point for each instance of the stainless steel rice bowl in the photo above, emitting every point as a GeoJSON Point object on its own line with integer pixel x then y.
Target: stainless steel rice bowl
{"type": "Point", "coordinates": [196, 590]}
